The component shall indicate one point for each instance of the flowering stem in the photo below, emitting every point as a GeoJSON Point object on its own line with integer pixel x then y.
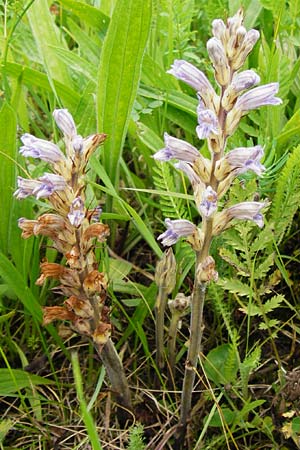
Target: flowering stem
{"type": "Point", "coordinates": [197, 303]}
{"type": "Point", "coordinates": [118, 380]}
{"type": "Point", "coordinates": [160, 308]}
{"type": "Point", "coordinates": [172, 340]}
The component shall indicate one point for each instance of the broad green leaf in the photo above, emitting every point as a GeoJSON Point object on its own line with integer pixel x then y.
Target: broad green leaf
{"type": "Point", "coordinates": [119, 72]}
{"type": "Point", "coordinates": [221, 364]}
{"type": "Point", "coordinates": [219, 417]}
{"type": "Point", "coordinates": [8, 126]}
{"type": "Point", "coordinates": [118, 269]}
{"type": "Point", "coordinates": [46, 36]}
{"type": "Point", "coordinates": [12, 380]}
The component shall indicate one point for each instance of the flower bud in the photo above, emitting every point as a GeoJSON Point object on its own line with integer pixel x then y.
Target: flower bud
{"type": "Point", "coordinates": [218, 57]}
{"type": "Point", "coordinates": [65, 123]}
{"type": "Point", "coordinates": [165, 273]}
{"type": "Point", "coordinates": [206, 271]}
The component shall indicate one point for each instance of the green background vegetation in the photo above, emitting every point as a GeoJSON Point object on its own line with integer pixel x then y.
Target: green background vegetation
{"type": "Point", "coordinates": [106, 62]}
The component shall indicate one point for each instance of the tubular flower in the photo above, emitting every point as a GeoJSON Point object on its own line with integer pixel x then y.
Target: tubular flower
{"type": "Point", "coordinates": [189, 171]}
{"type": "Point", "coordinates": [209, 202]}
{"type": "Point", "coordinates": [39, 148]}
{"type": "Point", "coordinates": [241, 211]}
{"type": "Point", "coordinates": [259, 96]}
{"type": "Point", "coordinates": [77, 212]}
{"type": "Point", "coordinates": [175, 230]}
{"type": "Point", "coordinates": [65, 123]}
{"type": "Point", "coordinates": [240, 160]}
{"type": "Point", "coordinates": [208, 122]}
{"type": "Point", "coordinates": [188, 73]}
{"type": "Point", "coordinates": [176, 149]}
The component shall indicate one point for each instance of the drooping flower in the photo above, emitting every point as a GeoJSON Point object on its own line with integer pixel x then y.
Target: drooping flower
{"type": "Point", "coordinates": [176, 149]}
{"type": "Point", "coordinates": [175, 230]}
{"type": "Point", "coordinates": [209, 202]}
{"type": "Point", "coordinates": [216, 52]}
{"type": "Point", "coordinates": [39, 148]}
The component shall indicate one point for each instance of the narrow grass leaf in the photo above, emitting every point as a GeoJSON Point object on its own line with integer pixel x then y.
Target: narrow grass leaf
{"type": "Point", "coordinates": [88, 14]}
{"type": "Point", "coordinates": [8, 125]}
{"type": "Point", "coordinates": [12, 380]}
{"type": "Point", "coordinates": [46, 36]}
{"type": "Point", "coordinates": [120, 67]}
{"type": "Point", "coordinates": [86, 415]}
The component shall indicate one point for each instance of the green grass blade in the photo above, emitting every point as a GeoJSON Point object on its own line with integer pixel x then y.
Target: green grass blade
{"type": "Point", "coordinates": [86, 415]}
{"type": "Point", "coordinates": [88, 14]}
{"type": "Point", "coordinates": [46, 36]}
{"type": "Point", "coordinates": [118, 78]}
{"type": "Point", "coordinates": [8, 125]}
{"type": "Point", "coordinates": [17, 284]}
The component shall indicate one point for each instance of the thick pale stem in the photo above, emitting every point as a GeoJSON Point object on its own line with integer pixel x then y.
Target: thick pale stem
{"type": "Point", "coordinates": [118, 380]}
{"type": "Point", "coordinates": [197, 303]}
{"type": "Point", "coordinates": [173, 327]}
{"type": "Point", "coordinates": [160, 308]}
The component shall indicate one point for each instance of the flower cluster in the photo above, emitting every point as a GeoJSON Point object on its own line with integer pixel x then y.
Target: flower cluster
{"type": "Point", "coordinates": [218, 118]}
{"type": "Point", "coordinates": [72, 227]}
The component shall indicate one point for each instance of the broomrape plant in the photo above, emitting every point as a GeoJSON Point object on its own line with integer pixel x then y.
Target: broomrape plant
{"type": "Point", "coordinates": [74, 231]}
{"type": "Point", "coordinates": [219, 114]}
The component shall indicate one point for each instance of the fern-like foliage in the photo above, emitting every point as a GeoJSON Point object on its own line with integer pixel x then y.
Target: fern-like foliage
{"type": "Point", "coordinates": [171, 205]}
{"type": "Point", "coordinates": [136, 438]}
{"type": "Point", "coordinates": [287, 197]}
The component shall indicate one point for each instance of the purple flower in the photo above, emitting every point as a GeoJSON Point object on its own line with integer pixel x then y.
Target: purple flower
{"type": "Point", "coordinates": [247, 211]}
{"type": "Point", "coordinates": [240, 160]}
{"type": "Point", "coordinates": [241, 211]}
{"type": "Point", "coordinates": [216, 52]}
{"type": "Point", "coordinates": [77, 212]}
{"type": "Point", "coordinates": [208, 122]}
{"type": "Point", "coordinates": [219, 29]}
{"type": "Point", "coordinates": [26, 187]}
{"type": "Point", "coordinates": [49, 183]}
{"type": "Point", "coordinates": [65, 123]}
{"type": "Point", "coordinates": [175, 230]}
{"type": "Point", "coordinates": [209, 202]}
{"type": "Point", "coordinates": [189, 171]}
{"type": "Point", "coordinates": [39, 148]}
{"type": "Point", "coordinates": [259, 96]}
{"type": "Point", "coordinates": [188, 73]}
{"type": "Point", "coordinates": [176, 149]}
{"type": "Point", "coordinates": [244, 80]}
